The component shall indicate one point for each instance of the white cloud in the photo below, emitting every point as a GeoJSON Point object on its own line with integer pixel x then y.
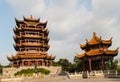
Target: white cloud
{"type": "Point", "coordinates": [70, 23]}
{"type": "Point", "coordinates": [27, 6]}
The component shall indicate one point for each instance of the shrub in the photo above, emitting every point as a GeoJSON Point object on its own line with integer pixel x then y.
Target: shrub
{"type": "Point", "coordinates": [29, 72]}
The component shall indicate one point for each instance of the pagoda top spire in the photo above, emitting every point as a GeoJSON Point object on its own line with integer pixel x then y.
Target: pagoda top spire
{"type": "Point", "coordinates": [30, 21]}
{"type": "Point", "coordinates": [94, 33]}
{"type": "Point", "coordinates": [31, 17]}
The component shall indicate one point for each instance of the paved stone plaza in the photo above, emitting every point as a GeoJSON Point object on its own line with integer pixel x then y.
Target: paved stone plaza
{"type": "Point", "coordinates": [92, 80]}
{"type": "Point", "coordinates": [62, 79]}
{"type": "Point", "coordinates": [76, 80]}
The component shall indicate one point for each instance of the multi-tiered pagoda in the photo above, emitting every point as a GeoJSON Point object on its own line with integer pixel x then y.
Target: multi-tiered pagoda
{"type": "Point", "coordinates": [31, 43]}
{"type": "Point", "coordinates": [96, 53]}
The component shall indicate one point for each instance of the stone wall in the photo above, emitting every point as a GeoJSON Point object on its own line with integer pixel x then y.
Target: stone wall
{"type": "Point", "coordinates": [9, 72]}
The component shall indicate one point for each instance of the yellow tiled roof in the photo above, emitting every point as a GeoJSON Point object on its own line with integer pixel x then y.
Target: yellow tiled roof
{"type": "Point", "coordinates": [23, 55]}
{"type": "Point", "coordinates": [111, 52]}
{"type": "Point", "coordinates": [95, 52]}
{"type": "Point", "coordinates": [80, 55]}
{"type": "Point", "coordinates": [96, 40]}
{"type": "Point", "coordinates": [10, 58]}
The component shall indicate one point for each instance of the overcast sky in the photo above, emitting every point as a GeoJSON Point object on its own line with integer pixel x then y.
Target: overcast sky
{"type": "Point", "coordinates": [70, 22]}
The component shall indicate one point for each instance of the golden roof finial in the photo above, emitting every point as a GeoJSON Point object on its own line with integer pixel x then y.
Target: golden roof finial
{"type": "Point", "coordinates": [31, 17]}
{"type": "Point", "coordinates": [94, 33]}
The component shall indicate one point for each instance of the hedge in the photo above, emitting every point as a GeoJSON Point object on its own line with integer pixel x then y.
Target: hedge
{"type": "Point", "coordinates": [30, 71]}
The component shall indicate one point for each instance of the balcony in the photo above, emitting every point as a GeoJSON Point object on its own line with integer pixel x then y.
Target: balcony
{"type": "Point", "coordinates": [31, 36]}
{"type": "Point", "coordinates": [28, 28]}
{"type": "Point", "coordinates": [16, 45]}
{"type": "Point", "coordinates": [32, 53]}
{"type": "Point", "coordinates": [28, 44]}
{"type": "Point", "coordinates": [31, 44]}
{"type": "Point", "coordinates": [29, 52]}
{"type": "Point", "coordinates": [18, 28]}
{"type": "Point", "coordinates": [44, 38]}
{"type": "Point", "coordinates": [16, 36]}
{"type": "Point", "coordinates": [46, 46]}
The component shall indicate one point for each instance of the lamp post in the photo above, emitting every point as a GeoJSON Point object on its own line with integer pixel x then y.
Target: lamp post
{"type": "Point", "coordinates": [35, 70]}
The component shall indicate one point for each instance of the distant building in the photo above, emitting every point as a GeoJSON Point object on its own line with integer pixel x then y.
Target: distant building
{"type": "Point", "coordinates": [31, 43]}
{"type": "Point", "coordinates": [96, 53]}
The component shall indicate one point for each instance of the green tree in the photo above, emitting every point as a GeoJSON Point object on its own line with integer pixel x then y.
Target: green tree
{"type": "Point", "coordinates": [77, 64]}
{"type": "Point", "coordinates": [68, 66]}
{"type": "Point", "coordinates": [65, 64]}
{"type": "Point", "coordinates": [55, 63]}
{"type": "Point", "coordinates": [107, 65]}
{"type": "Point", "coordinates": [115, 66]}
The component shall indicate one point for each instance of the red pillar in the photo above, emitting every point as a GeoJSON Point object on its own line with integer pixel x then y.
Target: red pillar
{"type": "Point", "coordinates": [50, 63]}
{"type": "Point", "coordinates": [28, 63]}
{"type": "Point", "coordinates": [111, 63]}
{"type": "Point", "coordinates": [90, 66]}
{"type": "Point", "coordinates": [17, 63]}
{"type": "Point", "coordinates": [43, 63]}
{"type": "Point", "coordinates": [37, 63]}
{"type": "Point", "coordinates": [22, 63]}
{"type": "Point", "coordinates": [46, 62]}
{"type": "Point", "coordinates": [103, 63]}
{"type": "Point", "coordinates": [12, 64]}
{"type": "Point", "coordinates": [83, 63]}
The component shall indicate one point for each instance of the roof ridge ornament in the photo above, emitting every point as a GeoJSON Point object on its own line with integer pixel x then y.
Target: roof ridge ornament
{"type": "Point", "coordinates": [31, 17]}
{"type": "Point", "coordinates": [111, 38]}
{"type": "Point", "coordinates": [117, 48]}
{"type": "Point", "coordinates": [94, 33]}
{"type": "Point", "coordinates": [86, 40]}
